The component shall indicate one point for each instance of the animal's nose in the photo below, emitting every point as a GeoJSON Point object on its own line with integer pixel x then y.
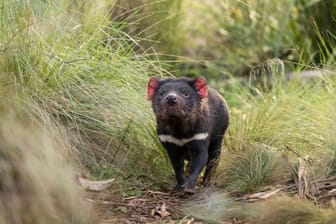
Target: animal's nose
{"type": "Point", "coordinates": [171, 99]}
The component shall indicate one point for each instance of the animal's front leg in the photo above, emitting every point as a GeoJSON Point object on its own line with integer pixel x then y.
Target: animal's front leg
{"type": "Point", "coordinates": [176, 156]}
{"type": "Point", "coordinates": [199, 157]}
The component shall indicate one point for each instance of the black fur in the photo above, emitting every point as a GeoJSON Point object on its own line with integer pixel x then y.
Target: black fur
{"type": "Point", "coordinates": [182, 112]}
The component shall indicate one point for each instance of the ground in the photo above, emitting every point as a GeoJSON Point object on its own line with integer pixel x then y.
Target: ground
{"type": "Point", "coordinates": [165, 206]}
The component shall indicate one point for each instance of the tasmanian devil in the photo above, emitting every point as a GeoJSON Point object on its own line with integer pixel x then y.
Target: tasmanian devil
{"type": "Point", "coordinates": [191, 122]}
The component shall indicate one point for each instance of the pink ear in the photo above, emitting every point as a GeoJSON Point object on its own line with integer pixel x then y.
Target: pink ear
{"type": "Point", "coordinates": [200, 86]}
{"type": "Point", "coordinates": [153, 83]}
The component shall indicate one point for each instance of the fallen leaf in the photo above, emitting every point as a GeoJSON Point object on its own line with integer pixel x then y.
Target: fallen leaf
{"type": "Point", "coordinates": [95, 185]}
{"type": "Point", "coordinates": [161, 210]}
{"type": "Point", "coordinates": [259, 195]}
{"type": "Point", "coordinates": [191, 221]}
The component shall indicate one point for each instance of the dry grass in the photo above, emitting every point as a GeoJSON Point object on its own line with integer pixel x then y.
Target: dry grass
{"type": "Point", "coordinates": [282, 210]}
{"type": "Point", "coordinates": [37, 184]}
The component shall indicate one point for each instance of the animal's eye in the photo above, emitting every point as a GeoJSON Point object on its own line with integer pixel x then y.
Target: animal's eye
{"type": "Point", "coordinates": [161, 93]}
{"type": "Point", "coordinates": [186, 93]}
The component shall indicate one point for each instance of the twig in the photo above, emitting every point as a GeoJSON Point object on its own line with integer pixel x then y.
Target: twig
{"type": "Point", "coordinates": [293, 151]}
{"type": "Point", "coordinates": [303, 188]}
{"type": "Point", "coordinates": [158, 192]}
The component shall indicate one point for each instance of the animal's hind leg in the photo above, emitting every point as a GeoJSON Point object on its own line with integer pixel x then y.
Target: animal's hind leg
{"type": "Point", "coordinates": [213, 160]}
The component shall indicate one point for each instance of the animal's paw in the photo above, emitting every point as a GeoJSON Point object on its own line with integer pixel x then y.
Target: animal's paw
{"type": "Point", "coordinates": [179, 189]}
{"type": "Point", "coordinates": [190, 190]}
{"type": "Point", "coordinates": [207, 182]}
{"type": "Point", "coordinates": [189, 187]}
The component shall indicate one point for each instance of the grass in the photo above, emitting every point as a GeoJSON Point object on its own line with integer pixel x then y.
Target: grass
{"type": "Point", "coordinates": [88, 79]}
{"type": "Point", "coordinates": [251, 170]}
{"type": "Point", "coordinates": [37, 183]}
{"type": "Point", "coordinates": [295, 115]}
{"type": "Point", "coordinates": [271, 118]}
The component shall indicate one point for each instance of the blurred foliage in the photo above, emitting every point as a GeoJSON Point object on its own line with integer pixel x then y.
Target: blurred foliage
{"type": "Point", "coordinates": [37, 183]}
{"type": "Point", "coordinates": [221, 38]}
{"type": "Point", "coordinates": [317, 24]}
{"type": "Point", "coordinates": [156, 23]}
{"type": "Point", "coordinates": [284, 210]}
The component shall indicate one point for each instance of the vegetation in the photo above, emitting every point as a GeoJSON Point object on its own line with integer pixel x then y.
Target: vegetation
{"type": "Point", "coordinates": [86, 77]}
{"type": "Point", "coordinates": [73, 76]}
{"type": "Point", "coordinates": [246, 171]}
{"type": "Point", "coordinates": [286, 210]}
{"type": "Point", "coordinates": [36, 182]}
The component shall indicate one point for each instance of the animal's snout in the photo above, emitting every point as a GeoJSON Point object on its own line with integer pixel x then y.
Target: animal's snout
{"type": "Point", "coordinates": [171, 99]}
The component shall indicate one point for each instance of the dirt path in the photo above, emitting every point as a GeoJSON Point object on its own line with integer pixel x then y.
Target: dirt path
{"type": "Point", "coordinates": [165, 206]}
{"type": "Point", "coordinates": [151, 207]}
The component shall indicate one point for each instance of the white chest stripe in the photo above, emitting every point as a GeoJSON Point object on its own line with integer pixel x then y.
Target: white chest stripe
{"type": "Point", "coordinates": [183, 141]}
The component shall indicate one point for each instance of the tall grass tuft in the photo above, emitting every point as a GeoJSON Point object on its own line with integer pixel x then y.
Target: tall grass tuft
{"type": "Point", "coordinates": [37, 183]}
{"type": "Point", "coordinates": [251, 170]}
{"type": "Point", "coordinates": [83, 70]}
{"type": "Point", "coordinates": [295, 115]}
{"type": "Point", "coordinates": [289, 114]}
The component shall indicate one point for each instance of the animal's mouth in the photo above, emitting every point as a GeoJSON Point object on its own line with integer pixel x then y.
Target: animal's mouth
{"type": "Point", "coordinates": [172, 112]}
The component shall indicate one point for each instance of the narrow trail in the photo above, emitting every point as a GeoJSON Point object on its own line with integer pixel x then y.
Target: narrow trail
{"type": "Point", "coordinates": [150, 207]}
